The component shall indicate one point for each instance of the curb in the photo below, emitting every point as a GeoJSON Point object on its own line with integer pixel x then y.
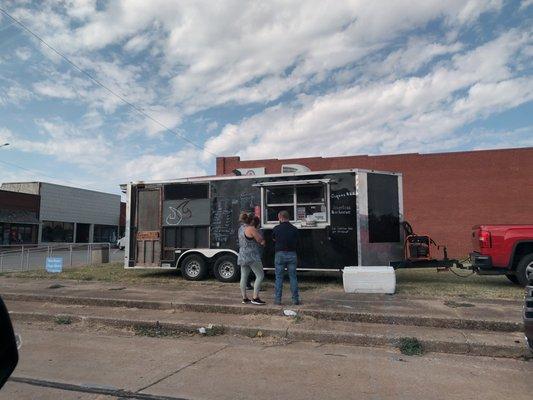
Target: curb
{"type": "Point", "coordinates": [150, 328]}
{"type": "Point", "coordinates": [431, 322]}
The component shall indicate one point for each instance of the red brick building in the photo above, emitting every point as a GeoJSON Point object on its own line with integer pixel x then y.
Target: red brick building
{"type": "Point", "coordinates": [445, 194]}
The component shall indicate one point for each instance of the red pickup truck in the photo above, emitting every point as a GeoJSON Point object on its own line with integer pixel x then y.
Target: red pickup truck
{"type": "Point", "coordinates": [503, 249]}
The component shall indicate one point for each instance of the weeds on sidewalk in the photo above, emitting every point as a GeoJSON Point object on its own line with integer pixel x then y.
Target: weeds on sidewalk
{"type": "Point", "coordinates": [158, 330]}
{"type": "Point", "coordinates": [211, 330]}
{"type": "Point", "coordinates": [63, 320]}
{"type": "Point", "coordinates": [454, 304]}
{"type": "Point", "coordinates": [410, 346]}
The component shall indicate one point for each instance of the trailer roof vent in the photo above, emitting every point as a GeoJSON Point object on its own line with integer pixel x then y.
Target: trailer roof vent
{"type": "Point", "coordinates": [292, 168]}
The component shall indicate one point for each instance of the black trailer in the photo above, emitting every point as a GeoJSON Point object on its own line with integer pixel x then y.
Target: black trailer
{"type": "Point", "coordinates": [345, 217]}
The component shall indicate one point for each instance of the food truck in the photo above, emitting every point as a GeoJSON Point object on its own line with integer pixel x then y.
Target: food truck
{"type": "Point", "coordinates": [345, 218]}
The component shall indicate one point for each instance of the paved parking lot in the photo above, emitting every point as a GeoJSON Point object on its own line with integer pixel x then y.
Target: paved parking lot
{"type": "Point", "coordinates": [36, 259]}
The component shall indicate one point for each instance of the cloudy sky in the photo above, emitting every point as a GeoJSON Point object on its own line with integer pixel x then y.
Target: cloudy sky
{"type": "Point", "coordinates": [259, 79]}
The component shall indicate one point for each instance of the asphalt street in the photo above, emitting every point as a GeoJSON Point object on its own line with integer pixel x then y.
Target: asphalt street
{"type": "Point", "coordinates": [61, 361]}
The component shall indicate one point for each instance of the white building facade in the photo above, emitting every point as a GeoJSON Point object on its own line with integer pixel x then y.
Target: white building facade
{"type": "Point", "coordinates": [72, 215]}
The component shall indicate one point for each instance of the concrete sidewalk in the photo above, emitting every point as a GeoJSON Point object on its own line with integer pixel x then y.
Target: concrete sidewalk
{"type": "Point", "coordinates": [333, 304]}
{"type": "Point", "coordinates": [492, 328]}
{"type": "Point", "coordinates": [174, 322]}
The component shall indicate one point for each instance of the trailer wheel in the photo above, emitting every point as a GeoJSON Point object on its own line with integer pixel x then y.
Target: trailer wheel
{"type": "Point", "coordinates": [524, 269]}
{"type": "Point", "coordinates": [226, 269]}
{"type": "Point", "coordinates": [512, 278]}
{"type": "Point", "coordinates": [194, 268]}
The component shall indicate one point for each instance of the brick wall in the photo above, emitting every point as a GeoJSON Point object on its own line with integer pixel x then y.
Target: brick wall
{"type": "Point", "coordinates": [445, 194]}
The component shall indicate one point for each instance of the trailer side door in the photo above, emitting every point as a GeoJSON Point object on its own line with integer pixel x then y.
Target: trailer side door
{"type": "Point", "coordinates": [380, 213]}
{"type": "Point", "coordinates": [148, 223]}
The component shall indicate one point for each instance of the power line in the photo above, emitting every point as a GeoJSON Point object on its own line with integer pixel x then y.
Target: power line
{"type": "Point", "coordinates": [97, 82]}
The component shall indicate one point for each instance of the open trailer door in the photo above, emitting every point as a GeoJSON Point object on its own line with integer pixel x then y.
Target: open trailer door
{"type": "Point", "coordinates": [379, 218]}
{"type": "Point", "coordinates": [148, 227]}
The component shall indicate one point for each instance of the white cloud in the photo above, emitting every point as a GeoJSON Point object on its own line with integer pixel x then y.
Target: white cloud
{"type": "Point", "coordinates": [400, 115]}
{"type": "Point", "coordinates": [14, 93]}
{"type": "Point", "coordinates": [166, 118]}
{"type": "Point", "coordinates": [54, 90]}
{"type": "Point", "coordinates": [65, 142]}
{"type": "Point", "coordinates": [122, 80]}
{"type": "Point", "coordinates": [313, 78]}
{"type": "Point", "coordinates": [240, 52]}
{"type": "Point", "coordinates": [23, 53]}
{"type": "Point", "coordinates": [416, 54]}
{"type": "Point", "coordinates": [525, 4]}
{"type": "Point", "coordinates": [5, 135]}
{"type": "Point", "coordinates": [185, 163]}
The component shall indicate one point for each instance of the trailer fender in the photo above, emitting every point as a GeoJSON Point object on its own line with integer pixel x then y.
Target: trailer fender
{"type": "Point", "coordinates": [207, 253]}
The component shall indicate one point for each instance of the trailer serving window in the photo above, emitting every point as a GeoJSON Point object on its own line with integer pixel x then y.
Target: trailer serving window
{"type": "Point", "coordinates": [307, 202]}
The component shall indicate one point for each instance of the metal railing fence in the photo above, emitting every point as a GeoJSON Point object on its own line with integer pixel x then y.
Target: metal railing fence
{"type": "Point", "coordinates": [32, 257]}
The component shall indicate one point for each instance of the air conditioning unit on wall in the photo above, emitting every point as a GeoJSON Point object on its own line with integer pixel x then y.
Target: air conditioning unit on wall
{"type": "Point", "coordinates": [292, 168]}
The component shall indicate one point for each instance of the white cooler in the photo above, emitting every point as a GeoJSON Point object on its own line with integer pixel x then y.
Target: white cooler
{"type": "Point", "coordinates": [369, 280]}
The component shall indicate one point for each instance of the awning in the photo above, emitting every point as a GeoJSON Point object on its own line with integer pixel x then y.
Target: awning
{"type": "Point", "coordinates": [292, 183]}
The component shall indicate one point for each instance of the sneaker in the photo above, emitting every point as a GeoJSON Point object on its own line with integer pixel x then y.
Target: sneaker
{"type": "Point", "coordinates": [246, 301]}
{"type": "Point", "coordinates": [258, 302]}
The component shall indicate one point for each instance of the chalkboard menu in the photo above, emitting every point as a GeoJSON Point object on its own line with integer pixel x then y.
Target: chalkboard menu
{"type": "Point", "coordinates": [334, 246]}
{"type": "Point", "coordinates": [228, 199]}
{"type": "Point", "coordinates": [221, 221]}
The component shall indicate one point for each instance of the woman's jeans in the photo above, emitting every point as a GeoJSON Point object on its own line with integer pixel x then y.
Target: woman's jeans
{"type": "Point", "coordinates": [282, 260]}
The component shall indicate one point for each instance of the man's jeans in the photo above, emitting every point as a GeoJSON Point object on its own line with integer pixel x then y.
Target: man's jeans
{"type": "Point", "coordinates": [282, 260]}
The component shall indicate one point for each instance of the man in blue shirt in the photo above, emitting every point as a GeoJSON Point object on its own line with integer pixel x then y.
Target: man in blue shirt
{"type": "Point", "coordinates": [285, 237]}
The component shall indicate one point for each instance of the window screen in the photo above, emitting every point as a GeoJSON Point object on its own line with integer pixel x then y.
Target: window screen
{"type": "Point", "coordinates": [280, 195]}
{"type": "Point", "coordinates": [383, 208]}
{"type": "Point", "coordinates": [310, 194]}
{"type": "Point", "coordinates": [302, 202]}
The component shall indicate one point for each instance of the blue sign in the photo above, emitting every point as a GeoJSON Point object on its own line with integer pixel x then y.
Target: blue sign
{"type": "Point", "coordinates": [54, 264]}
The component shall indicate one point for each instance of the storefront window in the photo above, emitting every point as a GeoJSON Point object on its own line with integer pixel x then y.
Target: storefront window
{"type": "Point", "coordinates": [54, 231]}
{"type": "Point", "coordinates": [105, 234]}
{"type": "Point", "coordinates": [11, 234]}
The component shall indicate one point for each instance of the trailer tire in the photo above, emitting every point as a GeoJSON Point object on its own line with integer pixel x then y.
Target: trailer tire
{"type": "Point", "coordinates": [226, 269]}
{"type": "Point", "coordinates": [513, 278]}
{"type": "Point", "coordinates": [524, 269]}
{"type": "Point", "coordinates": [194, 268]}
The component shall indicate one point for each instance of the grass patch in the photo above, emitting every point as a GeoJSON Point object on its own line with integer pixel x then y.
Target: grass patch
{"type": "Point", "coordinates": [112, 272]}
{"type": "Point", "coordinates": [411, 283]}
{"type": "Point", "coordinates": [410, 346]}
{"type": "Point", "coordinates": [430, 283]}
{"type": "Point", "coordinates": [63, 320]}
